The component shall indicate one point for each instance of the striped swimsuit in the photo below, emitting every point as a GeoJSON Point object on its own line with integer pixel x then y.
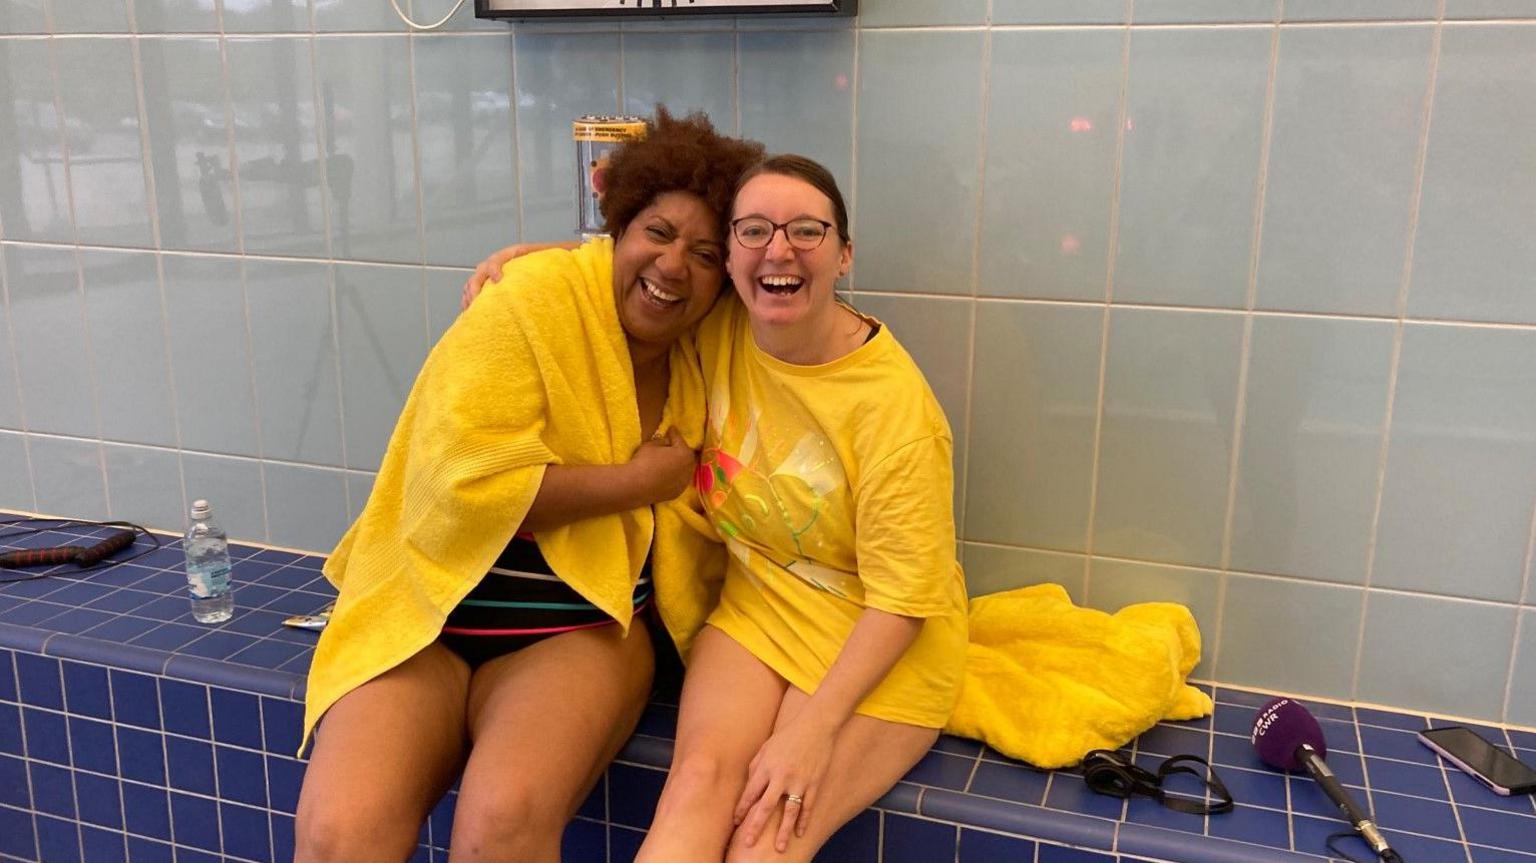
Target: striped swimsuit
{"type": "Point", "coordinates": [520, 602]}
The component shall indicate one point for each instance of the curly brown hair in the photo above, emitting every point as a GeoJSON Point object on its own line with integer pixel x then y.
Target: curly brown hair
{"type": "Point", "coordinates": [678, 155]}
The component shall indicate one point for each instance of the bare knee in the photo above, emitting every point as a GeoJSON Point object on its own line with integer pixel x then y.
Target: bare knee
{"type": "Point", "coordinates": [515, 823]}
{"type": "Point", "coordinates": [704, 776]}
{"type": "Point", "coordinates": [344, 833]}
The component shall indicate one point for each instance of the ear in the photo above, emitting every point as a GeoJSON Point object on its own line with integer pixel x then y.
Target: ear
{"type": "Point", "coordinates": [846, 262]}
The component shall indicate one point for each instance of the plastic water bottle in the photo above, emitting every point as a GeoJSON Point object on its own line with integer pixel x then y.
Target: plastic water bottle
{"type": "Point", "coordinates": [208, 567]}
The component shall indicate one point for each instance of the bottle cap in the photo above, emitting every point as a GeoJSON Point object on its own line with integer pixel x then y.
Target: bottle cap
{"type": "Point", "coordinates": [201, 509]}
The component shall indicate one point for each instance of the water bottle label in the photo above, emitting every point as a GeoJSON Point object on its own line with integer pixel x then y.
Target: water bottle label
{"type": "Point", "coordinates": [212, 581]}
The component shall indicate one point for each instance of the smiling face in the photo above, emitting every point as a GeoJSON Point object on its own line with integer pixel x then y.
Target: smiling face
{"type": "Point", "coordinates": [667, 269]}
{"type": "Point", "coordinates": [783, 286]}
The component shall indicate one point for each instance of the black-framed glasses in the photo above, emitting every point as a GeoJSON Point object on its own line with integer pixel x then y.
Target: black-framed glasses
{"type": "Point", "coordinates": [756, 232]}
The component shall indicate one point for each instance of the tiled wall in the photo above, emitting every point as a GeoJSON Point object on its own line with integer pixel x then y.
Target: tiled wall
{"type": "Point", "coordinates": [1230, 302]}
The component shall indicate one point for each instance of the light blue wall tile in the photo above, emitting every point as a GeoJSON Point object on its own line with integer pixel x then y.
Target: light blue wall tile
{"type": "Point", "coordinates": [429, 11]}
{"type": "Point", "coordinates": [994, 568]}
{"type": "Point", "coordinates": [937, 333]}
{"type": "Point", "coordinates": [48, 325]}
{"type": "Point", "coordinates": [442, 290]}
{"type": "Point", "coordinates": [465, 131]}
{"type": "Point", "coordinates": [1203, 11]}
{"type": "Point", "coordinates": [1260, 628]}
{"type": "Point", "coordinates": [370, 165]}
{"type": "Point", "coordinates": [1311, 446]}
{"type": "Point", "coordinates": [1489, 9]}
{"type": "Point", "coordinates": [106, 156]}
{"type": "Point", "coordinates": [176, 16]}
{"type": "Point", "coordinates": [15, 474]}
{"type": "Point", "coordinates": [1059, 12]}
{"type": "Point", "coordinates": [24, 16]}
{"type": "Point", "coordinates": [359, 486]}
{"type": "Point", "coordinates": [10, 393]}
{"type": "Point", "coordinates": [1359, 10]}
{"type": "Point", "coordinates": [1169, 403]}
{"type": "Point", "coordinates": [383, 335]}
{"type": "Point", "coordinates": [1052, 110]}
{"type": "Point", "coordinates": [917, 182]}
{"type": "Point", "coordinates": [1343, 157]}
{"type": "Point", "coordinates": [34, 186]}
{"type": "Point", "coordinates": [358, 16]}
{"type": "Point", "coordinates": [559, 78]}
{"type": "Point", "coordinates": [1459, 653]}
{"type": "Point", "coordinates": [90, 16]}
{"type": "Point", "coordinates": [68, 477]}
{"type": "Point", "coordinates": [185, 106]}
{"type": "Point", "coordinates": [909, 13]}
{"type": "Point", "coordinates": [266, 16]}
{"type": "Point", "coordinates": [1461, 466]}
{"type": "Point", "coordinates": [1191, 162]}
{"type": "Point", "coordinates": [1472, 254]}
{"type": "Point", "coordinates": [271, 83]}
{"type": "Point", "coordinates": [144, 486]}
{"type": "Point", "coordinates": [1036, 391]}
{"type": "Point", "coordinates": [1522, 695]}
{"type": "Point", "coordinates": [127, 328]}
{"type": "Point", "coordinates": [210, 355]}
{"type": "Point", "coordinates": [797, 96]}
{"type": "Point", "coordinates": [1114, 584]}
{"type": "Point", "coordinates": [306, 507]}
{"type": "Point", "coordinates": [234, 487]}
{"type": "Point", "coordinates": [293, 359]}
{"type": "Point", "coordinates": [685, 71]}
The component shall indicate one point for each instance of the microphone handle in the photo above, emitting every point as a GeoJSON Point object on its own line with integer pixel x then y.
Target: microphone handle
{"type": "Point", "coordinates": [1359, 818]}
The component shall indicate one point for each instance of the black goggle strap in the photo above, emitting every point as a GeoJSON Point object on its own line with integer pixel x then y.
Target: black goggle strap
{"type": "Point", "coordinates": [1113, 773]}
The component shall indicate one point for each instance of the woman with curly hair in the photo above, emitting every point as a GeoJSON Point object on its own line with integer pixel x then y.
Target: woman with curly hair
{"type": "Point", "coordinates": [486, 591]}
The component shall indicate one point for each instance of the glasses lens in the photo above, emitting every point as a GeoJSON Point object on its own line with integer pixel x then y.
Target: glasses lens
{"type": "Point", "coordinates": [754, 233]}
{"type": "Point", "coordinates": [805, 233]}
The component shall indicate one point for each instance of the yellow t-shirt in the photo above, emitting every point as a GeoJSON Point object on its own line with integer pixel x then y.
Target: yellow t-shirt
{"type": "Point", "coordinates": [832, 488]}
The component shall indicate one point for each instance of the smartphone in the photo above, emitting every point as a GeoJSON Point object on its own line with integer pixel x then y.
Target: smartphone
{"type": "Point", "coordinates": [1487, 763]}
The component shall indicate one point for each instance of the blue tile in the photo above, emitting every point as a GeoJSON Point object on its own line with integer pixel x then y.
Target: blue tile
{"type": "Point", "coordinates": [47, 735]}
{"type": "Point", "coordinates": [282, 724]}
{"type": "Point", "coordinates": [584, 840]}
{"type": "Point", "coordinates": [186, 708]}
{"type": "Point", "coordinates": [141, 755]}
{"type": "Point", "coordinates": [122, 600]}
{"type": "Point", "coordinates": [190, 763]}
{"type": "Point", "coordinates": [16, 834]}
{"type": "Point", "coordinates": [1391, 719]}
{"type": "Point", "coordinates": [185, 855]}
{"type": "Point", "coordinates": [134, 700]}
{"type": "Point", "coordinates": [1499, 829]}
{"type": "Point", "coordinates": [40, 682]}
{"type": "Point", "coordinates": [1255, 788]}
{"type": "Point", "coordinates": [7, 675]}
{"type": "Point", "coordinates": [282, 836]}
{"type": "Point", "coordinates": [268, 653]}
{"type": "Point", "coordinates": [257, 595]}
{"type": "Point", "coordinates": [164, 608]}
{"type": "Point", "coordinates": [169, 637]}
{"type": "Point", "coordinates": [285, 778]}
{"type": "Point", "coordinates": [217, 645]}
{"type": "Point", "coordinates": [1401, 745]}
{"type": "Point", "coordinates": [633, 794]}
{"type": "Point", "coordinates": [147, 851]}
{"type": "Point", "coordinates": [623, 844]}
{"type": "Point", "coordinates": [1052, 826]}
{"type": "Point", "coordinates": [957, 745]}
{"type": "Point", "coordinates": [978, 847]}
{"type": "Point", "coordinates": [1415, 779]}
{"type": "Point", "coordinates": [99, 799]}
{"type": "Point", "coordinates": [1249, 824]}
{"type": "Point", "coordinates": [1168, 740]}
{"type": "Point", "coordinates": [195, 822]}
{"type": "Point", "coordinates": [146, 811]}
{"type": "Point", "coordinates": [596, 804]}
{"type": "Point", "coordinates": [10, 730]}
{"type": "Point", "coordinates": [76, 594]}
{"type": "Point", "coordinates": [944, 771]}
{"type": "Point", "coordinates": [85, 687]}
{"type": "Point", "coordinates": [1430, 817]}
{"type": "Point", "coordinates": [858, 841]}
{"type": "Point", "coordinates": [277, 556]}
{"type": "Point", "coordinates": [13, 782]}
{"type": "Point", "coordinates": [93, 746]}
{"type": "Point", "coordinates": [245, 832]}
{"type": "Point", "coordinates": [236, 718]}
{"type": "Point", "coordinates": [255, 621]}
{"type": "Point", "coordinates": [298, 602]}
{"type": "Point", "coordinates": [1229, 751]}
{"type": "Point", "coordinates": [1071, 793]}
{"type": "Point", "coordinates": [52, 792]}
{"type": "Point", "coordinates": [912, 840]}
{"type": "Point", "coordinates": [242, 777]}
{"type": "Point", "coordinates": [57, 841]}
{"type": "Point", "coordinates": [1149, 812]}
{"type": "Point", "coordinates": [102, 846]}
{"type": "Point", "coordinates": [1017, 783]}
{"type": "Point", "coordinates": [228, 675]}
{"type": "Point", "coordinates": [1059, 854]}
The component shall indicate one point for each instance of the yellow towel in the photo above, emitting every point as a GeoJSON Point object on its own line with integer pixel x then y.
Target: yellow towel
{"type": "Point", "coordinates": [536, 372]}
{"type": "Point", "coordinates": [1046, 681]}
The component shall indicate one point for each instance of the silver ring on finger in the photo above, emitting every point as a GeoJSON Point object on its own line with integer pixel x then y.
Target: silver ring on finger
{"type": "Point", "coordinates": [794, 798]}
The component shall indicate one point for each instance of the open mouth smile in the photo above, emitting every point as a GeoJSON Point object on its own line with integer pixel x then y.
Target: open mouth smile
{"type": "Point", "coordinates": [781, 285]}
{"type": "Point", "coordinates": [659, 298]}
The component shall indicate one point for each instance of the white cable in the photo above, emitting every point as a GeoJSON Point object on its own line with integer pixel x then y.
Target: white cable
{"type": "Point", "coordinates": [440, 22]}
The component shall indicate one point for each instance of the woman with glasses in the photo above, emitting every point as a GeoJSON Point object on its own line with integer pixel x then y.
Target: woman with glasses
{"type": "Point", "coordinates": [835, 651]}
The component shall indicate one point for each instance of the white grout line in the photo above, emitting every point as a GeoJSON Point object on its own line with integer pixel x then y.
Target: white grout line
{"type": "Point", "coordinates": [962, 482]}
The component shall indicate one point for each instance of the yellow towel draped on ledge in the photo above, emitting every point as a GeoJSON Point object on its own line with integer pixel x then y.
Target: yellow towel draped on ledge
{"type": "Point", "coordinates": [536, 372]}
{"type": "Point", "coordinates": [1046, 681]}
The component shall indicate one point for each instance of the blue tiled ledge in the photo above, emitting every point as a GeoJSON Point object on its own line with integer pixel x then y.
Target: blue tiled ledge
{"type": "Point", "coordinates": [116, 656]}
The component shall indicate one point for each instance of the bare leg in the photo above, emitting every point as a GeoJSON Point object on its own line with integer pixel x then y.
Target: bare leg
{"type": "Point", "coordinates": [384, 754]}
{"type": "Point", "coordinates": [544, 723]}
{"type": "Point", "coordinates": [868, 758]}
{"type": "Point", "coordinates": [730, 699]}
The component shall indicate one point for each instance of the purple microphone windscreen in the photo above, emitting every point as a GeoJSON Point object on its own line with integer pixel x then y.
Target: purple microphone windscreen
{"type": "Point", "coordinates": [1280, 728]}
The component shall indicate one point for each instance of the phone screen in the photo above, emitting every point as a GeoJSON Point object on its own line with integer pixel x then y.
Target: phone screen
{"type": "Point", "coordinates": [1482, 758]}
